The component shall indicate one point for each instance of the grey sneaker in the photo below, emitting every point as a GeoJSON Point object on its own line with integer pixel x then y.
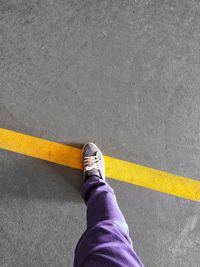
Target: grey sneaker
{"type": "Point", "coordinates": [93, 161]}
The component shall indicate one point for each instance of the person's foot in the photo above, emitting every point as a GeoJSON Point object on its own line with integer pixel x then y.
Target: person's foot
{"type": "Point", "coordinates": [93, 161]}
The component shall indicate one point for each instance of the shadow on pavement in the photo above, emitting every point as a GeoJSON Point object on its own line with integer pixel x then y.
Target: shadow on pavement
{"type": "Point", "coordinates": [31, 178]}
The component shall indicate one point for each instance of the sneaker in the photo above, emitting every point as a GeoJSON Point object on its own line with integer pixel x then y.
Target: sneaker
{"type": "Point", "coordinates": [93, 161]}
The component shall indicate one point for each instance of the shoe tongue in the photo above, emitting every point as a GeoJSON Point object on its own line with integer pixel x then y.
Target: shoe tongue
{"type": "Point", "coordinates": [94, 154]}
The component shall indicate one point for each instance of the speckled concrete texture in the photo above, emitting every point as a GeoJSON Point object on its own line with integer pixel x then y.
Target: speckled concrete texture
{"type": "Point", "coordinates": [124, 74]}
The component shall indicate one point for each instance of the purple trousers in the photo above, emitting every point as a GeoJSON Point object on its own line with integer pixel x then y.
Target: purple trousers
{"type": "Point", "coordinates": [106, 242]}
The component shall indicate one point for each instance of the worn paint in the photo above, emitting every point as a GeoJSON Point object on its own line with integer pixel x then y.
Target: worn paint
{"type": "Point", "coordinates": [115, 168]}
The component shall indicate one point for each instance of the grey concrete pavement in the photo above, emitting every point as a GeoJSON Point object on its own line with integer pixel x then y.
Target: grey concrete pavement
{"type": "Point", "coordinates": [123, 74]}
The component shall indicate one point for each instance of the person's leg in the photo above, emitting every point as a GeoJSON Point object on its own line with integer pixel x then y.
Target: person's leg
{"type": "Point", "coordinates": [101, 203]}
{"type": "Point", "coordinates": [106, 241]}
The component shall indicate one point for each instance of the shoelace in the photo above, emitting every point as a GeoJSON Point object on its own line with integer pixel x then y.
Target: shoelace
{"type": "Point", "coordinates": [92, 162]}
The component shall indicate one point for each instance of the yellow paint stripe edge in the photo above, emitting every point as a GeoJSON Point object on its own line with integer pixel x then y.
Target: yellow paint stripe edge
{"type": "Point", "coordinates": [115, 168]}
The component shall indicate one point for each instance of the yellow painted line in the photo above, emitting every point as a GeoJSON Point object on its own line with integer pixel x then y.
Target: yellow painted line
{"type": "Point", "coordinates": [115, 168]}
